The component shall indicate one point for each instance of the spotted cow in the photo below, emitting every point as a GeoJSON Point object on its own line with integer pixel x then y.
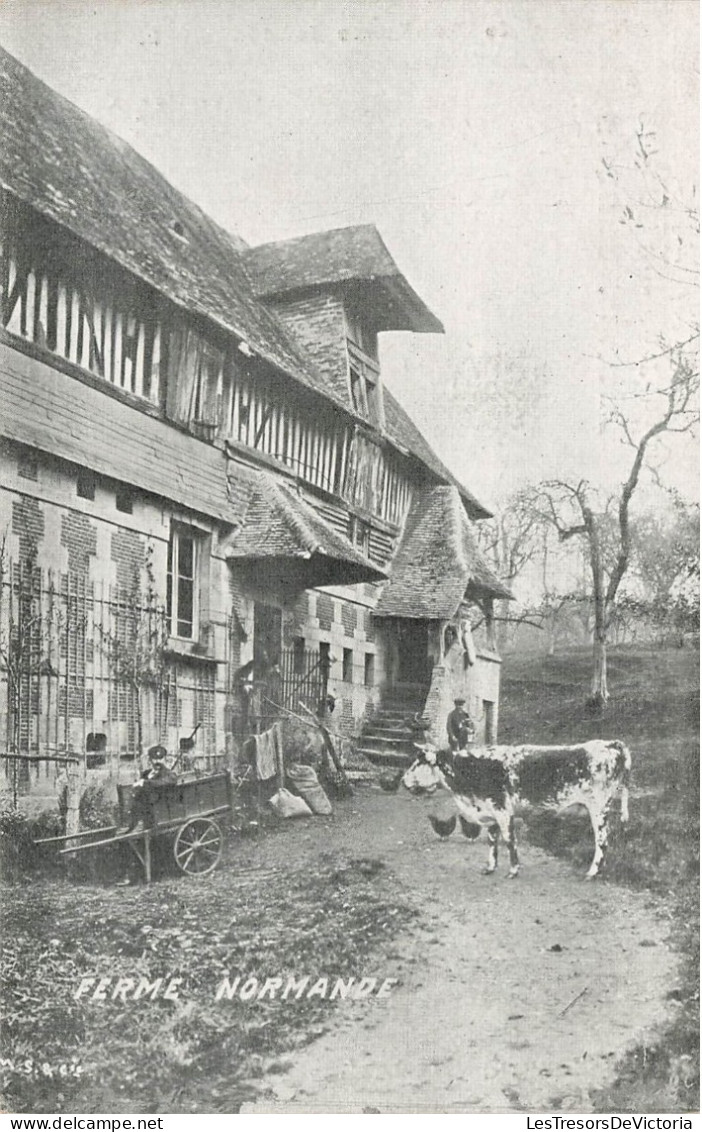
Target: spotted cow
{"type": "Point", "coordinates": [491, 785]}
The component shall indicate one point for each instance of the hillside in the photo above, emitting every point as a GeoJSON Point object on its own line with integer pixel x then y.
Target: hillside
{"type": "Point", "coordinates": [654, 708]}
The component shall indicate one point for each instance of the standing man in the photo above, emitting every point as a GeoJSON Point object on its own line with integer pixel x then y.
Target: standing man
{"type": "Point", "coordinates": [459, 726]}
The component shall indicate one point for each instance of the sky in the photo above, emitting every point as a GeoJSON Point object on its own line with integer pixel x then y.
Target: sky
{"type": "Point", "coordinates": [478, 138]}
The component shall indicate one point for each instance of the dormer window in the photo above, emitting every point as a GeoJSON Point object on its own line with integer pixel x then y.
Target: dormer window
{"type": "Point", "coordinates": [361, 335]}
{"type": "Point", "coordinates": [365, 387]}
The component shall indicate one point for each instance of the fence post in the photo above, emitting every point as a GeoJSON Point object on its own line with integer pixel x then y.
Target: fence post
{"type": "Point", "coordinates": [75, 780]}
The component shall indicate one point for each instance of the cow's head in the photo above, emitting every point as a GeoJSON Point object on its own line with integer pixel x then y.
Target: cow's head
{"type": "Point", "coordinates": [426, 772]}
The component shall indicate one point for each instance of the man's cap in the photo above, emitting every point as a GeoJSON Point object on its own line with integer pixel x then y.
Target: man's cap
{"type": "Point", "coordinates": [460, 700]}
{"type": "Point", "coordinates": [157, 752]}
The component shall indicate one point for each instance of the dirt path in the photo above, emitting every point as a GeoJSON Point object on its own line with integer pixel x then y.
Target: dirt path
{"type": "Point", "coordinates": [514, 996]}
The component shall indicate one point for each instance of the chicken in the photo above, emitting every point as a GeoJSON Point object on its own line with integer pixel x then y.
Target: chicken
{"type": "Point", "coordinates": [469, 829]}
{"type": "Point", "coordinates": [390, 783]}
{"type": "Point", "coordinates": [444, 827]}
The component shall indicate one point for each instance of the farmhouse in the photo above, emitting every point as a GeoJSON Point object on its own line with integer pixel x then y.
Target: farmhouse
{"type": "Point", "coordinates": [211, 508]}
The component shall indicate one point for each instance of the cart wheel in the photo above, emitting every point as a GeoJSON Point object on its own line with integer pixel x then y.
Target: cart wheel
{"type": "Point", "coordinates": [198, 846]}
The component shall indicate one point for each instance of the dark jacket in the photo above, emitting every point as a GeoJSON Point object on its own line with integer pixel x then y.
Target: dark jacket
{"type": "Point", "coordinates": [460, 729]}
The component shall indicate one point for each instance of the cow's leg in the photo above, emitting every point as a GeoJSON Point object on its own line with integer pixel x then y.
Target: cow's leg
{"type": "Point", "coordinates": [493, 834]}
{"type": "Point", "coordinates": [625, 804]}
{"type": "Point", "coordinates": [598, 819]}
{"type": "Point", "coordinates": [505, 824]}
{"type": "Point", "coordinates": [513, 854]}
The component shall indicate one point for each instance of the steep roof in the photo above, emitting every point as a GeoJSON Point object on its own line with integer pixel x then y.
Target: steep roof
{"type": "Point", "coordinates": [342, 255]}
{"type": "Point", "coordinates": [62, 162]}
{"type": "Point", "coordinates": [65, 164]}
{"type": "Point", "coordinates": [438, 558]}
{"type": "Point", "coordinates": [278, 524]}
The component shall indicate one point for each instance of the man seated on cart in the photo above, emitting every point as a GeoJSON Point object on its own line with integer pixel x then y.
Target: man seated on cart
{"type": "Point", "coordinates": [158, 773]}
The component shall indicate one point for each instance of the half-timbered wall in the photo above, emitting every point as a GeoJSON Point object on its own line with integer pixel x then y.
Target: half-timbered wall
{"type": "Point", "coordinates": [54, 293]}
{"type": "Point", "coordinates": [62, 296]}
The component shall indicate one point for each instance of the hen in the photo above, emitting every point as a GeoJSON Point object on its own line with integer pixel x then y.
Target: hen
{"type": "Point", "coordinates": [469, 829]}
{"type": "Point", "coordinates": [390, 783]}
{"type": "Point", "coordinates": [444, 827]}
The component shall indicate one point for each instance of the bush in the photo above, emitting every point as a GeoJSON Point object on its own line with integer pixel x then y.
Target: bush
{"type": "Point", "coordinates": [17, 850]}
{"type": "Point", "coordinates": [95, 810]}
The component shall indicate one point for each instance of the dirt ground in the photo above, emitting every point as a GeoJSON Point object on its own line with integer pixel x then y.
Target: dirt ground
{"type": "Point", "coordinates": [513, 996]}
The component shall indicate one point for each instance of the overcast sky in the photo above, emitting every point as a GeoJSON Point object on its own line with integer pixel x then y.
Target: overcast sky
{"type": "Point", "coordinates": [473, 134]}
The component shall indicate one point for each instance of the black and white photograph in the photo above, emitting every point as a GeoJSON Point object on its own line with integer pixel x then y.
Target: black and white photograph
{"type": "Point", "coordinates": [349, 560]}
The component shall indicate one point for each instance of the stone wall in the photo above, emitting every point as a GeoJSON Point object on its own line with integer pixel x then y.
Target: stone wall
{"type": "Point", "coordinates": [478, 683]}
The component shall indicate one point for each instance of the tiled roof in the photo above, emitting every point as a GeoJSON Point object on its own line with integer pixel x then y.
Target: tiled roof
{"type": "Point", "coordinates": [62, 162]}
{"type": "Point", "coordinates": [278, 524]}
{"type": "Point", "coordinates": [438, 558]}
{"type": "Point", "coordinates": [53, 412]}
{"type": "Point", "coordinates": [342, 255]}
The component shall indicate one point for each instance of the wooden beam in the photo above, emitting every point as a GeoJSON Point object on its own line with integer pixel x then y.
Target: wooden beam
{"type": "Point", "coordinates": [42, 758]}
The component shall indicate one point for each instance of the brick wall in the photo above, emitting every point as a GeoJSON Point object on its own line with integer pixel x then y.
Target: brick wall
{"type": "Point", "coordinates": [79, 538]}
{"type": "Point", "coordinates": [317, 323]}
{"type": "Point", "coordinates": [128, 553]}
{"type": "Point", "coordinates": [325, 612]}
{"type": "Point", "coordinates": [28, 525]}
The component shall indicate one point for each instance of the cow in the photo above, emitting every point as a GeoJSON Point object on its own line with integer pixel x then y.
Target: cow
{"type": "Point", "coordinates": [491, 785]}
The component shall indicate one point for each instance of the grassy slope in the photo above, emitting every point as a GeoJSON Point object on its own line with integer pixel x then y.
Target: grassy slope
{"type": "Point", "coordinates": [194, 1055]}
{"type": "Point", "coordinates": [654, 709]}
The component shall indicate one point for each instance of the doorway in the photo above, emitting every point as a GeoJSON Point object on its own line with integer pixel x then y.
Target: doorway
{"type": "Point", "coordinates": [413, 663]}
{"type": "Point", "coordinates": [267, 636]}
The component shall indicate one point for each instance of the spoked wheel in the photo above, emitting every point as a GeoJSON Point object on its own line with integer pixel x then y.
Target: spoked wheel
{"type": "Point", "coordinates": [198, 846]}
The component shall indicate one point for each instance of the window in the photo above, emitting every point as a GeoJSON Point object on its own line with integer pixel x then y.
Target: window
{"type": "Point", "coordinates": [490, 716]}
{"type": "Point", "coordinates": [359, 397]}
{"type": "Point", "coordinates": [124, 500]}
{"type": "Point", "coordinates": [359, 534]}
{"type": "Point", "coordinates": [85, 485]}
{"type": "Point", "coordinates": [365, 390]}
{"type": "Point", "coordinates": [369, 668]}
{"type": "Point", "coordinates": [325, 658]}
{"type": "Point", "coordinates": [361, 334]}
{"type": "Point", "coordinates": [27, 464]}
{"type": "Point", "coordinates": [207, 389]}
{"type": "Point", "coordinates": [181, 595]}
{"type": "Point", "coordinates": [347, 666]}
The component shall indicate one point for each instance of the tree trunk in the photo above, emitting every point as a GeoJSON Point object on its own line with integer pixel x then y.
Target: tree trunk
{"type": "Point", "coordinates": [599, 693]}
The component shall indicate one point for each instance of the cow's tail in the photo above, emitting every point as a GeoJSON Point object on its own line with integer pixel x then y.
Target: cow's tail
{"type": "Point", "coordinates": [623, 772]}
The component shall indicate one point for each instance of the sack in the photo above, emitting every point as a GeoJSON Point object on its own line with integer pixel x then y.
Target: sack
{"type": "Point", "coordinates": [288, 805]}
{"type": "Point", "coordinates": [305, 781]}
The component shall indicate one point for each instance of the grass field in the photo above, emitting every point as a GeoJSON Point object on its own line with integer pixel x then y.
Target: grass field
{"type": "Point", "coordinates": [285, 902]}
{"type": "Point", "coordinates": [654, 708]}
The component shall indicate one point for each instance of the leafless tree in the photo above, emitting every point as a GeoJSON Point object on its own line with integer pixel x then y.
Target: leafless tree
{"type": "Point", "coordinates": [576, 510]}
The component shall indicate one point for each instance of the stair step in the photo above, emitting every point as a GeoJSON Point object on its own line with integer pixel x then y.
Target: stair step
{"type": "Point", "coordinates": [385, 758]}
{"type": "Point", "coordinates": [391, 728]}
{"type": "Point", "coordinates": [404, 710]}
{"type": "Point", "coordinates": [375, 740]}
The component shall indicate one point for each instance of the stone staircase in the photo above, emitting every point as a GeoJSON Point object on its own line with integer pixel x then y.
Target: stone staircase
{"type": "Point", "coordinates": [386, 741]}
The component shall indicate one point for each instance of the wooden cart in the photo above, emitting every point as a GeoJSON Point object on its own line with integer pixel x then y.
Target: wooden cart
{"type": "Point", "coordinates": [191, 811]}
